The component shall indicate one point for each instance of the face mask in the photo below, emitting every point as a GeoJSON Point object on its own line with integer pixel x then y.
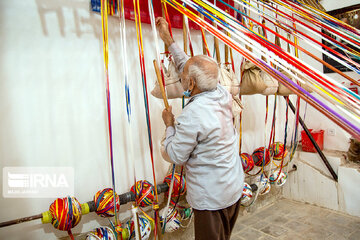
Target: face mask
{"type": "Point", "coordinates": [187, 93]}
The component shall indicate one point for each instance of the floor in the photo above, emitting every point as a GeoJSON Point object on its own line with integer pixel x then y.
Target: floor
{"type": "Point", "coordinates": [288, 219]}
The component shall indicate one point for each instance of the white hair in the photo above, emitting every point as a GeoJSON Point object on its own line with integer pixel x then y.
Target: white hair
{"type": "Point", "coordinates": [205, 71]}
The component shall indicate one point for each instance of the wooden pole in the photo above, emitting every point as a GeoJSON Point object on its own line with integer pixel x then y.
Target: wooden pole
{"type": "Point", "coordinates": [216, 44]}
{"type": "Point", "coordinates": [159, 78]}
{"type": "Point", "coordinates": [185, 35]}
{"type": "Point", "coordinates": [20, 220]}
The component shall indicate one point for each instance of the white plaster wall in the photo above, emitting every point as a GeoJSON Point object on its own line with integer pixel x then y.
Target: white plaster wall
{"type": "Point", "coordinates": [349, 191]}
{"type": "Point", "coordinates": [53, 105]}
{"type": "Point", "coordinates": [313, 183]}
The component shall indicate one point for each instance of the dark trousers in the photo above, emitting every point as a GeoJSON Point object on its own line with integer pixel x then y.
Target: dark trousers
{"type": "Point", "coordinates": [215, 225]}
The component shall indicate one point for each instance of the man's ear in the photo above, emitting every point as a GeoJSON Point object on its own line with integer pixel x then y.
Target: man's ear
{"type": "Point", "coordinates": [191, 84]}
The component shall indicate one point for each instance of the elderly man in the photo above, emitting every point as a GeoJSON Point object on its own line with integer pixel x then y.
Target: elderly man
{"type": "Point", "coordinates": [204, 140]}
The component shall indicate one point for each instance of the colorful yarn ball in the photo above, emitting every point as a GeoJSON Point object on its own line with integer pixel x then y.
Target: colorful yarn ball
{"type": "Point", "coordinates": [104, 203]}
{"type": "Point", "coordinates": [247, 162]}
{"type": "Point", "coordinates": [66, 213]}
{"type": "Point", "coordinates": [264, 185]}
{"type": "Point", "coordinates": [179, 187]}
{"type": "Point", "coordinates": [246, 194]}
{"type": "Point", "coordinates": [144, 193]}
{"type": "Point", "coordinates": [145, 228]}
{"type": "Point", "coordinates": [173, 219]}
{"type": "Point", "coordinates": [101, 233]}
{"type": "Point", "coordinates": [277, 150]}
{"type": "Point", "coordinates": [258, 157]}
{"type": "Point", "coordinates": [278, 181]}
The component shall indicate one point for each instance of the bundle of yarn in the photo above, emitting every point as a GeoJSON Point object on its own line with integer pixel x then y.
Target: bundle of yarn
{"type": "Point", "coordinates": [144, 193]}
{"type": "Point", "coordinates": [179, 187]}
{"type": "Point", "coordinates": [264, 185]}
{"type": "Point", "coordinates": [101, 233]}
{"type": "Point", "coordinates": [247, 162]}
{"type": "Point", "coordinates": [258, 157]}
{"type": "Point", "coordinates": [173, 219]}
{"type": "Point", "coordinates": [246, 194]}
{"type": "Point", "coordinates": [278, 178]}
{"type": "Point", "coordinates": [104, 202]}
{"type": "Point", "coordinates": [66, 213]}
{"type": "Point", "coordinates": [279, 151]}
{"type": "Point", "coordinates": [145, 228]}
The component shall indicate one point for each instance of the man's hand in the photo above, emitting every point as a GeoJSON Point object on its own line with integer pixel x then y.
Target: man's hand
{"type": "Point", "coordinates": [168, 117]}
{"type": "Point", "coordinates": [164, 33]}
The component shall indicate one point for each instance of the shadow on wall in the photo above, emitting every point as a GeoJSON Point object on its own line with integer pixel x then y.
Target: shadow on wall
{"type": "Point", "coordinates": [46, 8]}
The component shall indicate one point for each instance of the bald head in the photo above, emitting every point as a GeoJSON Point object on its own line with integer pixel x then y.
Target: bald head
{"type": "Point", "coordinates": [204, 70]}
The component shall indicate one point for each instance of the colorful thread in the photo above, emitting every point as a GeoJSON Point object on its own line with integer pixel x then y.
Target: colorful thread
{"type": "Point", "coordinates": [104, 203]}
{"type": "Point", "coordinates": [144, 192]}
{"type": "Point", "coordinates": [247, 162]}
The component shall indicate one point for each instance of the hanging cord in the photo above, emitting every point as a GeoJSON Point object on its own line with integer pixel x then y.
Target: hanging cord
{"type": "Point", "coordinates": [332, 21]}
{"type": "Point", "coordinates": [294, 31]}
{"type": "Point", "coordinates": [134, 207]}
{"type": "Point", "coordinates": [279, 49]}
{"type": "Point", "coordinates": [104, 27]}
{"type": "Point", "coordinates": [300, 64]}
{"type": "Point", "coordinates": [165, 212]}
{"type": "Point", "coordinates": [284, 150]}
{"type": "Point", "coordinates": [317, 33]}
{"type": "Point", "coordinates": [147, 112]}
{"type": "Point", "coordinates": [289, 29]}
{"type": "Point", "coordinates": [341, 121]}
{"type": "Point", "coordinates": [351, 39]}
{"type": "Point", "coordinates": [204, 41]}
{"type": "Point", "coordinates": [186, 25]}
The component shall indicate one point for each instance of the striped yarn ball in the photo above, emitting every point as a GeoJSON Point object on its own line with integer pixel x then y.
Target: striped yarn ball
{"type": "Point", "coordinates": [247, 162]}
{"type": "Point", "coordinates": [179, 187]}
{"type": "Point", "coordinates": [173, 219]}
{"type": "Point", "coordinates": [66, 213]}
{"type": "Point", "coordinates": [258, 157]}
{"type": "Point", "coordinates": [101, 233]}
{"type": "Point", "coordinates": [264, 185]}
{"type": "Point", "coordinates": [278, 151]}
{"type": "Point", "coordinates": [278, 180]}
{"type": "Point", "coordinates": [104, 203]}
{"type": "Point", "coordinates": [144, 193]}
{"type": "Point", "coordinates": [246, 194]}
{"type": "Point", "coordinates": [145, 228]}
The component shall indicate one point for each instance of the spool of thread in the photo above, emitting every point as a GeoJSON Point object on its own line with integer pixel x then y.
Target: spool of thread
{"type": "Point", "coordinates": [258, 157]}
{"type": "Point", "coordinates": [144, 193]}
{"type": "Point", "coordinates": [277, 150]}
{"type": "Point", "coordinates": [173, 219]}
{"type": "Point", "coordinates": [247, 162]}
{"type": "Point", "coordinates": [179, 187]}
{"type": "Point", "coordinates": [104, 203]}
{"type": "Point", "coordinates": [66, 213]}
{"type": "Point", "coordinates": [145, 228]}
{"type": "Point", "coordinates": [101, 233]}
{"type": "Point", "coordinates": [246, 194]}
